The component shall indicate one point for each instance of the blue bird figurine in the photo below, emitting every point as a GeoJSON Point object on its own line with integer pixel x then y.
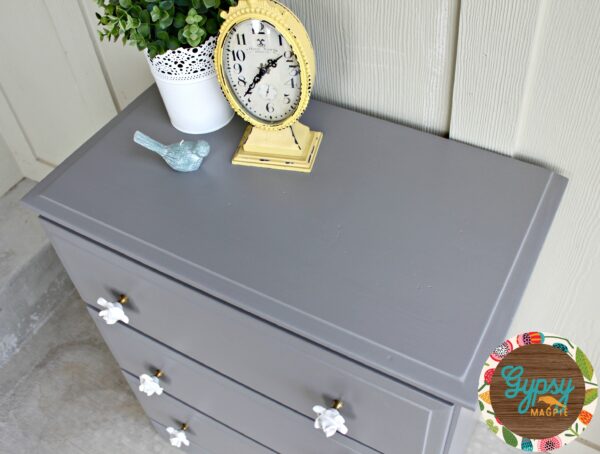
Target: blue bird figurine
{"type": "Point", "coordinates": [185, 156]}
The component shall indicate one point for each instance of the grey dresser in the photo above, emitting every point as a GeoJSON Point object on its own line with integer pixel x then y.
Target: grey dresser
{"type": "Point", "coordinates": [381, 280]}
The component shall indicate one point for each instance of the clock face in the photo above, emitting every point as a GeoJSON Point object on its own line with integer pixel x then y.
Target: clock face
{"type": "Point", "coordinates": [262, 71]}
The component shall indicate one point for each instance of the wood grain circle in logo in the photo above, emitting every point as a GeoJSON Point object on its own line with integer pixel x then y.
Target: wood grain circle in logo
{"type": "Point", "coordinates": [551, 406]}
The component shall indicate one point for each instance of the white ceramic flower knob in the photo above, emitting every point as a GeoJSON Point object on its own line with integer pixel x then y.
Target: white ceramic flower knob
{"type": "Point", "coordinates": [150, 384]}
{"type": "Point", "coordinates": [178, 437]}
{"type": "Point", "coordinates": [114, 311]}
{"type": "Point", "coordinates": [329, 420]}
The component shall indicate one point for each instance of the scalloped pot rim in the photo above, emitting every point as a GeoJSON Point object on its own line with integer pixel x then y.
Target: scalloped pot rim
{"type": "Point", "coordinates": [530, 381]}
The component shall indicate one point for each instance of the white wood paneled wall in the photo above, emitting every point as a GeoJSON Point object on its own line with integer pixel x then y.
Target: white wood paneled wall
{"type": "Point", "coordinates": [53, 94]}
{"type": "Point", "coordinates": [10, 174]}
{"type": "Point", "coordinates": [383, 57]}
{"type": "Point", "coordinates": [527, 84]}
{"type": "Point", "coordinates": [393, 59]}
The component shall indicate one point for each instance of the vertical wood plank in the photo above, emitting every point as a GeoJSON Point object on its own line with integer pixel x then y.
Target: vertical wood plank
{"type": "Point", "coordinates": [494, 47]}
{"type": "Point", "coordinates": [55, 85]}
{"type": "Point", "coordinates": [10, 174]}
{"type": "Point", "coordinates": [527, 85]}
{"type": "Point", "coordinates": [17, 143]}
{"type": "Point", "coordinates": [391, 59]}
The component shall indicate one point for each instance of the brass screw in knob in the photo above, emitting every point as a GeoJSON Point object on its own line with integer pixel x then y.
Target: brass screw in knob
{"type": "Point", "coordinates": [123, 299]}
{"type": "Point", "coordinates": [159, 373]}
{"type": "Point", "coordinates": [184, 427]}
{"type": "Point", "coordinates": [337, 404]}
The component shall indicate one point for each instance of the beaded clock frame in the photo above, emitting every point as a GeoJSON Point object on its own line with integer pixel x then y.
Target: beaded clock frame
{"type": "Point", "coordinates": [289, 26]}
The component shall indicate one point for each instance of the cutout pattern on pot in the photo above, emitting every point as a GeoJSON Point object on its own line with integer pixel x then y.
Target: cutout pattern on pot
{"type": "Point", "coordinates": [186, 63]}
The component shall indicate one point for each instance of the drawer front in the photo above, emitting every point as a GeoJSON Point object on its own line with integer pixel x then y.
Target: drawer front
{"type": "Point", "coordinates": [204, 433]}
{"type": "Point", "coordinates": [380, 412]}
{"type": "Point", "coordinates": [221, 398]}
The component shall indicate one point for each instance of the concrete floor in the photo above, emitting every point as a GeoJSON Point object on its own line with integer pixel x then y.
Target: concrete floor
{"type": "Point", "coordinates": [63, 392]}
{"type": "Point", "coordinates": [32, 280]}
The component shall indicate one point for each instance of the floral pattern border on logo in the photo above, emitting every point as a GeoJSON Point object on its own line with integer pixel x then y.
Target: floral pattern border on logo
{"type": "Point", "coordinates": [589, 404]}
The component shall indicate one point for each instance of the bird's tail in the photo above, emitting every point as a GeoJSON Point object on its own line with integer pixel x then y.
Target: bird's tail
{"type": "Point", "coordinates": [148, 142]}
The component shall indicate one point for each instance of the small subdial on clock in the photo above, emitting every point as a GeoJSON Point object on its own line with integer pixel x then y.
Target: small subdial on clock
{"type": "Point", "coordinates": [262, 71]}
{"type": "Point", "coordinates": [267, 92]}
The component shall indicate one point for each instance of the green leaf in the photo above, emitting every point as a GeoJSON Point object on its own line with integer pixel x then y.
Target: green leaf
{"type": "Point", "coordinates": [163, 36]}
{"type": "Point", "coordinates": [135, 11]}
{"type": "Point", "coordinates": [481, 406]}
{"type": "Point", "coordinates": [509, 437]}
{"type": "Point", "coordinates": [194, 35]}
{"type": "Point", "coordinates": [132, 23]}
{"type": "Point", "coordinates": [145, 16]}
{"type": "Point", "coordinates": [142, 44]}
{"type": "Point", "coordinates": [125, 3]}
{"type": "Point", "coordinates": [585, 366]}
{"type": "Point", "coordinates": [154, 49]}
{"type": "Point", "coordinates": [173, 43]}
{"type": "Point", "coordinates": [166, 5]}
{"type": "Point", "coordinates": [155, 13]}
{"type": "Point", "coordinates": [179, 20]}
{"type": "Point", "coordinates": [121, 13]}
{"type": "Point", "coordinates": [590, 396]}
{"type": "Point", "coordinates": [194, 18]}
{"type": "Point", "coordinates": [165, 21]}
{"type": "Point", "coordinates": [211, 3]}
{"type": "Point", "coordinates": [144, 30]}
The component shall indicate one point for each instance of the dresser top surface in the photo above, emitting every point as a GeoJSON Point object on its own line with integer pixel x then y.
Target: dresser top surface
{"type": "Point", "coordinates": [401, 250]}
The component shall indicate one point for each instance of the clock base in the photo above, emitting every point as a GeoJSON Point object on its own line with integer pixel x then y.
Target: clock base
{"type": "Point", "coordinates": [294, 148]}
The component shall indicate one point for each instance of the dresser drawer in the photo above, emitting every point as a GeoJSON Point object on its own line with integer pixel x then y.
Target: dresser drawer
{"type": "Point", "coordinates": [219, 397]}
{"type": "Point", "coordinates": [379, 412]}
{"type": "Point", "coordinates": [203, 432]}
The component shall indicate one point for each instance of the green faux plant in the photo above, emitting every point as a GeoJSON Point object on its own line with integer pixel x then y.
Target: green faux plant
{"type": "Point", "coordinates": [160, 25]}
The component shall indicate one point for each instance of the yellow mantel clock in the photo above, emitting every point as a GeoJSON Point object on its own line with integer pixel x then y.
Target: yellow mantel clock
{"type": "Point", "coordinates": [266, 67]}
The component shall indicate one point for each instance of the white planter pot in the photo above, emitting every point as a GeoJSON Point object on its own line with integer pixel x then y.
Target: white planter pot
{"type": "Point", "coordinates": [188, 84]}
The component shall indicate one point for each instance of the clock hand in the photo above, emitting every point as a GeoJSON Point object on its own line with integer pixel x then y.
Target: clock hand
{"type": "Point", "coordinates": [273, 63]}
{"type": "Point", "coordinates": [264, 69]}
{"type": "Point", "coordinates": [256, 80]}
